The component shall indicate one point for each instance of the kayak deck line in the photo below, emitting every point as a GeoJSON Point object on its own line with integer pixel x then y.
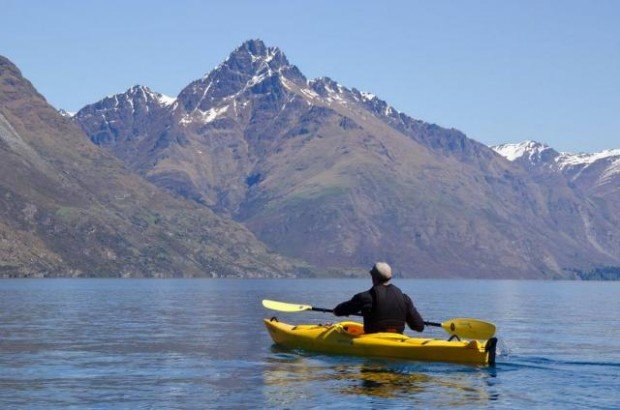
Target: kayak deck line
{"type": "Point", "coordinates": [348, 338]}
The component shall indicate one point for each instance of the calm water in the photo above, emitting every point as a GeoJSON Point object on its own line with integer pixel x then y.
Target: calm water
{"type": "Point", "coordinates": [201, 343]}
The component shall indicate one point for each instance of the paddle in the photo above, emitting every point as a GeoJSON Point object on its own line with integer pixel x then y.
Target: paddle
{"type": "Point", "coordinates": [466, 328]}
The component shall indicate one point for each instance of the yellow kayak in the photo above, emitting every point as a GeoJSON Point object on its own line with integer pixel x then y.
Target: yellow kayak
{"type": "Point", "coordinates": [349, 338]}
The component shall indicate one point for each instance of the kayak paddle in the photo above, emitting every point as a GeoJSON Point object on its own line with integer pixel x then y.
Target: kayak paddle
{"type": "Point", "coordinates": [291, 307]}
{"type": "Point", "coordinates": [466, 328]}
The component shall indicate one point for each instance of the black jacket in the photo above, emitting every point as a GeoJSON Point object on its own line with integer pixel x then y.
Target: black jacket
{"type": "Point", "coordinates": [385, 309]}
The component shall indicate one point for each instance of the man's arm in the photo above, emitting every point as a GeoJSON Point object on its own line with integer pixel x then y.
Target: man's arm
{"type": "Point", "coordinates": [362, 302]}
{"type": "Point", "coordinates": [414, 319]}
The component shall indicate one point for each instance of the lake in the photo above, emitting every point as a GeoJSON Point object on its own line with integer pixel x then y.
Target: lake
{"type": "Point", "coordinates": [113, 343]}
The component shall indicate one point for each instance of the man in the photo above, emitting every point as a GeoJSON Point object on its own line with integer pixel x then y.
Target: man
{"type": "Point", "coordinates": [384, 307]}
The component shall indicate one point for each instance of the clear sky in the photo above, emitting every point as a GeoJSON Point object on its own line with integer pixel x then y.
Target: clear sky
{"type": "Point", "coordinates": [501, 71]}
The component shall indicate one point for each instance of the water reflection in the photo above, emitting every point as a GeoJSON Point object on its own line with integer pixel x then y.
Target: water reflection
{"type": "Point", "coordinates": [289, 375]}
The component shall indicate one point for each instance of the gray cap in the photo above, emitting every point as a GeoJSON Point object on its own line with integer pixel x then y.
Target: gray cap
{"type": "Point", "coordinates": [381, 271]}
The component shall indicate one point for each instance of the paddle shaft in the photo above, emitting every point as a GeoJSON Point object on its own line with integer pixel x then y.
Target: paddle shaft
{"type": "Point", "coordinates": [317, 309]}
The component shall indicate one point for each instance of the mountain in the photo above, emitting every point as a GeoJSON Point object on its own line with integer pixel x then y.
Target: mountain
{"type": "Point", "coordinates": [586, 170]}
{"type": "Point", "coordinates": [70, 208]}
{"type": "Point", "coordinates": [339, 178]}
{"type": "Point", "coordinates": [594, 175]}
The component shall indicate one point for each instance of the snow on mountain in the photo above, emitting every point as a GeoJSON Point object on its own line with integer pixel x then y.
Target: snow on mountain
{"type": "Point", "coordinates": [534, 154]}
{"type": "Point", "coordinates": [584, 159]}
{"type": "Point", "coordinates": [65, 113]}
{"type": "Point", "coordinates": [255, 68]}
{"type": "Point", "coordinates": [136, 97]}
{"type": "Point", "coordinates": [204, 117]}
{"type": "Point", "coordinates": [165, 99]}
{"type": "Point", "coordinates": [251, 66]}
{"type": "Point", "coordinates": [532, 150]}
{"type": "Point", "coordinates": [145, 94]}
{"type": "Point", "coordinates": [605, 163]}
{"type": "Point", "coordinates": [132, 110]}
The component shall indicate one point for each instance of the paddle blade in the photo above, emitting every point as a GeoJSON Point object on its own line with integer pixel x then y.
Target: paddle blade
{"type": "Point", "coordinates": [467, 328]}
{"type": "Point", "coordinates": [285, 307]}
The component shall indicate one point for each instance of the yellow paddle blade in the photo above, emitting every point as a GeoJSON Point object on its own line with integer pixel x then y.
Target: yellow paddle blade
{"type": "Point", "coordinates": [467, 328]}
{"type": "Point", "coordinates": [285, 307]}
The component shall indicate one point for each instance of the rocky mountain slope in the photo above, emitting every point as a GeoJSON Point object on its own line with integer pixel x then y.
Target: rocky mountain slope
{"type": "Point", "coordinates": [339, 178]}
{"type": "Point", "coordinates": [69, 208]}
{"type": "Point", "coordinates": [594, 175]}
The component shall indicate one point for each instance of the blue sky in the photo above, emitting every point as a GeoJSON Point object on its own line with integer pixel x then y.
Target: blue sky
{"type": "Point", "coordinates": [501, 71]}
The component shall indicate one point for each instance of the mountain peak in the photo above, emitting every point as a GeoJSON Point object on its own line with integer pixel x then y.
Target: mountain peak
{"type": "Point", "coordinates": [255, 47]}
{"type": "Point", "coordinates": [138, 88]}
{"type": "Point", "coordinates": [137, 99]}
{"type": "Point", "coordinates": [6, 64]}
{"type": "Point", "coordinates": [252, 55]}
{"type": "Point", "coordinates": [532, 151]}
{"type": "Point", "coordinates": [13, 84]}
{"type": "Point", "coordinates": [250, 64]}
{"type": "Point", "coordinates": [143, 92]}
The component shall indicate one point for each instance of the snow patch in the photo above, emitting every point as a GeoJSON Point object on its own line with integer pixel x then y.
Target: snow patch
{"type": "Point", "coordinates": [309, 93]}
{"type": "Point", "coordinates": [67, 114]}
{"type": "Point", "coordinates": [204, 117]}
{"type": "Point", "coordinates": [535, 153]}
{"type": "Point", "coordinates": [368, 96]}
{"type": "Point", "coordinates": [258, 78]}
{"type": "Point", "coordinates": [270, 56]}
{"type": "Point", "coordinates": [529, 148]}
{"type": "Point", "coordinates": [568, 159]}
{"type": "Point", "coordinates": [583, 161]}
{"type": "Point", "coordinates": [165, 100]}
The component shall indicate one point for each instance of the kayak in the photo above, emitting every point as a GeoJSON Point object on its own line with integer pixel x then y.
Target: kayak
{"type": "Point", "coordinates": [349, 338]}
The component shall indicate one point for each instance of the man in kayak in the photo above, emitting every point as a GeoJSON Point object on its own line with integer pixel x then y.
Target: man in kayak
{"type": "Point", "coordinates": [384, 307]}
